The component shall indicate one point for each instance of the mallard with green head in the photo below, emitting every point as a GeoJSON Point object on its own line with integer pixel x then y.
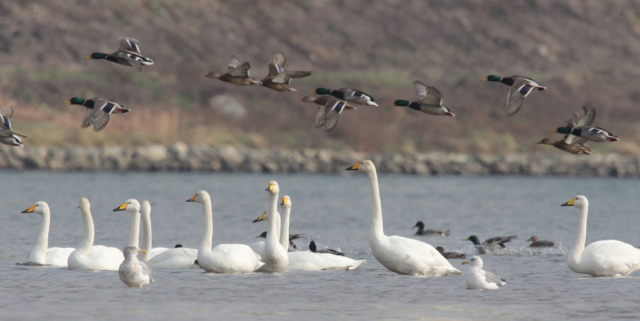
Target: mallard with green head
{"type": "Point", "coordinates": [237, 73]}
{"type": "Point", "coordinates": [7, 135]}
{"type": "Point", "coordinates": [278, 79]}
{"type": "Point", "coordinates": [492, 244]}
{"type": "Point", "coordinates": [349, 95]}
{"type": "Point", "coordinates": [327, 105]}
{"type": "Point", "coordinates": [519, 88]}
{"type": "Point", "coordinates": [580, 126]}
{"type": "Point", "coordinates": [128, 54]}
{"type": "Point", "coordinates": [583, 117]}
{"type": "Point", "coordinates": [98, 111]}
{"type": "Point", "coordinates": [429, 101]}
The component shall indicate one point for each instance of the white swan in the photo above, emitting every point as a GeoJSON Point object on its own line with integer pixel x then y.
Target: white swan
{"type": "Point", "coordinates": [601, 258]}
{"type": "Point", "coordinates": [162, 257]}
{"type": "Point", "coordinates": [400, 254]}
{"type": "Point", "coordinates": [132, 206]}
{"type": "Point", "coordinates": [307, 260]}
{"type": "Point", "coordinates": [224, 258]}
{"type": "Point", "coordinates": [479, 279]}
{"type": "Point", "coordinates": [41, 252]}
{"type": "Point", "coordinates": [275, 256]}
{"type": "Point", "coordinates": [93, 257]}
{"type": "Point", "coordinates": [132, 272]}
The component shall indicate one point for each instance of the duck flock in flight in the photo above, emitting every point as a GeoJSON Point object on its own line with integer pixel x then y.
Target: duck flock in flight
{"type": "Point", "coordinates": [399, 254]}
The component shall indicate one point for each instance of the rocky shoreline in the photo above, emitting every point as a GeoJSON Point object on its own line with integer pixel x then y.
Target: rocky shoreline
{"type": "Point", "coordinates": [182, 157]}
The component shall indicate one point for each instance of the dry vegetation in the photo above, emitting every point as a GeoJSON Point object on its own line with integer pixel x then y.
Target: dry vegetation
{"type": "Point", "coordinates": [584, 51]}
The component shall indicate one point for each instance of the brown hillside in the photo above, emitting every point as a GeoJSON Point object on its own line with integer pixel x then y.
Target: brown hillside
{"type": "Point", "coordinates": [585, 52]}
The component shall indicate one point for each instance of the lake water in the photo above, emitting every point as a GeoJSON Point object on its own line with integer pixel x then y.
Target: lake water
{"type": "Point", "coordinates": [335, 212]}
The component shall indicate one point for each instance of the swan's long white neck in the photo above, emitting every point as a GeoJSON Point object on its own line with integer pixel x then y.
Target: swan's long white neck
{"type": "Point", "coordinates": [207, 240]}
{"type": "Point", "coordinates": [273, 230]}
{"type": "Point", "coordinates": [573, 258]}
{"type": "Point", "coordinates": [284, 232]}
{"type": "Point", "coordinates": [89, 233]}
{"type": "Point", "coordinates": [147, 235]}
{"type": "Point", "coordinates": [39, 252]}
{"type": "Point", "coordinates": [134, 236]}
{"type": "Point", "coordinates": [376, 230]}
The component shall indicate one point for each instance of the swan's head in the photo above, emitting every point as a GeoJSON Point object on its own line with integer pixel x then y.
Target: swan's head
{"type": "Point", "coordinates": [131, 251]}
{"type": "Point", "coordinates": [533, 239]}
{"type": "Point", "coordinates": [262, 217]}
{"type": "Point", "coordinates": [200, 197]}
{"type": "Point", "coordinates": [84, 204]}
{"type": "Point", "coordinates": [263, 235]}
{"type": "Point", "coordinates": [440, 249]}
{"type": "Point", "coordinates": [579, 201]}
{"type": "Point", "coordinates": [286, 202]}
{"type": "Point", "coordinates": [38, 208]}
{"type": "Point", "coordinates": [474, 239]}
{"type": "Point", "coordinates": [130, 205]}
{"type": "Point", "coordinates": [419, 225]}
{"type": "Point", "coordinates": [145, 206]}
{"type": "Point", "coordinates": [365, 165]}
{"type": "Point", "coordinates": [273, 188]}
{"type": "Point", "coordinates": [475, 261]}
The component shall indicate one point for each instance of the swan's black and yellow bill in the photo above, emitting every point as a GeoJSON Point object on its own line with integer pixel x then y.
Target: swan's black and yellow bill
{"type": "Point", "coordinates": [121, 207]}
{"type": "Point", "coordinates": [569, 203]}
{"type": "Point", "coordinates": [464, 262]}
{"type": "Point", "coordinates": [193, 199]}
{"type": "Point", "coordinates": [270, 188]}
{"type": "Point", "coordinates": [30, 209]}
{"type": "Point", "coordinates": [285, 200]}
{"type": "Point", "coordinates": [261, 217]}
{"type": "Point", "coordinates": [354, 167]}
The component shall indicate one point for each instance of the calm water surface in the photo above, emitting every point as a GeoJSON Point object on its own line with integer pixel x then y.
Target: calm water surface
{"type": "Point", "coordinates": [335, 212]}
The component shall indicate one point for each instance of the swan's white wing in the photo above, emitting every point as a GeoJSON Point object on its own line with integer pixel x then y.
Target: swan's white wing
{"type": "Point", "coordinates": [99, 258]}
{"type": "Point", "coordinates": [179, 258]}
{"type": "Point", "coordinates": [418, 249]}
{"type": "Point", "coordinates": [309, 261]}
{"type": "Point", "coordinates": [609, 257]}
{"type": "Point", "coordinates": [58, 256]}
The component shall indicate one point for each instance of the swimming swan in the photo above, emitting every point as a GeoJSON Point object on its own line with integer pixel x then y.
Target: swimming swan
{"type": "Point", "coordinates": [147, 234]}
{"type": "Point", "coordinates": [307, 260]}
{"type": "Point", "coordinates": [162, 257]}
{"type": "Point", "coordinates": [41, 252]}
{"type": "Point", "coordinates": [400, 254]}
{"type": "Point", "coordinates": [601, 258]}
{"type": "Point", "coordinates": [224, 258]}
{"type": "Point", "coordinates": [93, 257]}
{"type": "Point", "coordinates": [275, 255]}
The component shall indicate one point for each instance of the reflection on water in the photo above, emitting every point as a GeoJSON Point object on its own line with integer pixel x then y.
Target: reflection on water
{"type": "Point", "coordinates": [334, 211]}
